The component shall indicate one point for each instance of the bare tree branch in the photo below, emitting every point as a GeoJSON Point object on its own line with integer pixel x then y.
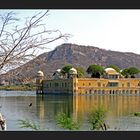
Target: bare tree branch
{"type": "Point", "coordinates": [20, 44]}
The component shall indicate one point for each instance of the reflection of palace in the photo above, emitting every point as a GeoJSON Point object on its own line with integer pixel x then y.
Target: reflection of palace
{"type": "Point", "coordinates": [78, 107]}
{"type": "Point", "coordinates": [111, 83]}
{"type": "Point", "coordinates": [115, 105]}
{"type": "Point", "coordinates": [49, 106]}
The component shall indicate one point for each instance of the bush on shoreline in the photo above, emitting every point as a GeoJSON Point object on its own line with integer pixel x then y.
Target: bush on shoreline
{"type": "Point", "coordinates": [19, 87]}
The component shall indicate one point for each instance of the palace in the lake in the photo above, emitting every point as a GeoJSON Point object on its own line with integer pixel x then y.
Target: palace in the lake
{"type": "Point", "coordinates": [111, 83]}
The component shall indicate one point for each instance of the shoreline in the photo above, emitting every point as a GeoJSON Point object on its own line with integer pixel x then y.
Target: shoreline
{"type": "Point", "coordinates": [18, 88]}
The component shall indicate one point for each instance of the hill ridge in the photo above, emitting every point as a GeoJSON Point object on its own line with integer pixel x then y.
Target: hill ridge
{"type": "Point", "coordinates": [77, 55]}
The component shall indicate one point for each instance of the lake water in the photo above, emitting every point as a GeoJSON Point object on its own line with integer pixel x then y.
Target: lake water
{"type": "Point", "coordinates": [14, 105]}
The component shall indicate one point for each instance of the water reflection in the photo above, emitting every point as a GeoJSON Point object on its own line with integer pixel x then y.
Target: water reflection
{"type": "Point", "coordinates": [51, 105]}
{"type": "Point", "coordinates": [45, 108]}
{"type": "Point", "coordinates": [115, 105]}
{"type": "Point", "coordinates": [78, 107]}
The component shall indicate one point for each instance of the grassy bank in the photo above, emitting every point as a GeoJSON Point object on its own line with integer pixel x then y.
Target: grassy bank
{"type": "Point", "coordinates": [26, 87]}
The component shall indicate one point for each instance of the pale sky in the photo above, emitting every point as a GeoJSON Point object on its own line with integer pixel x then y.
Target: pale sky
{"type": "Point", "coordinates": [117, 30]}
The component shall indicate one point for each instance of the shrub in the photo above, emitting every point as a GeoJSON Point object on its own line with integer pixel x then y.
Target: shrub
{"type": "Point", "coordinates": [96, 119]}
{"type": "Point", "coordinates": [137, 114]}
{"type": "Point", "coordinates": [28, 124]}
{"type": "Point", "coordinates": [65, 122]}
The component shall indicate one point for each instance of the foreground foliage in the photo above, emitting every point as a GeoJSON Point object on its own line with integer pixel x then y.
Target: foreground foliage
{"type": "Point", "coordinates": [28, 124]}
{"type": "Point", "coordinates": [137, 114]}
{"type": "Point", "coordinates": [96, 119]}
{"type": "Point", "coordinates": [65, 122]}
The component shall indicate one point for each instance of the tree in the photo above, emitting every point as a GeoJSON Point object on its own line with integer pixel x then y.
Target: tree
{"type": "Point", "coordinates": [65, 70]}
{"type": "Point", "coordinates": [114, 67]}
{"type": "Point", "coordinates": [125, 72]}
{"type": "Point", "coordinates": [80, 72]}
{"type": "Point", "coordinates": [95, 71]}
{"type": "Point", "coordinates": [19, 44]}
{"type": "Point", "coordinates": [131, 71]}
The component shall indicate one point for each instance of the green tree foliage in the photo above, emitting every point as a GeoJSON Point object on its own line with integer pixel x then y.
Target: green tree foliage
{"type": "Point", "coordinates": [125, 72]}
{"type": "Point", "coordinates": [96, 71]}
{"type": "Point", "coordinates": [65, 122]}
{"type": "Point", "coordinates": [65, 69]}
{"type": "Point", "coordinates": [80, 72]}
{"type": "Point", "coordinates": [130, 72]}
{"type": "Point", "coordinates": [133, 71]}
{"type": "Point", "coordinates": [96, 119]}
{"type": "Point", "coordinates": [114, 67]}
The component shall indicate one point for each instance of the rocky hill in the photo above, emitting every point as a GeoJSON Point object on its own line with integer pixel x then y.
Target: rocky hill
{"type": "Point", "coordinates": [77, 55]}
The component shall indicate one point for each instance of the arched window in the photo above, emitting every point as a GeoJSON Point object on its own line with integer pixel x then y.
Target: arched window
{"type": "Point", "coordinates": [99, 84]}
{"type": "Point", "coordinates": [90, 91]}
{"type": "Point", "coordinates": [128, 84]}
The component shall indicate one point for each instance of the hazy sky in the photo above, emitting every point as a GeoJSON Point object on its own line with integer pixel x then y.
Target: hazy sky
{"type": "Point", "coordinates": [117, 30]}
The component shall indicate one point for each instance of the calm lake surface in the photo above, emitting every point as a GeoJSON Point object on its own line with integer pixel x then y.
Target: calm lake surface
{"type": "Point", "coordinates": [14, 105]}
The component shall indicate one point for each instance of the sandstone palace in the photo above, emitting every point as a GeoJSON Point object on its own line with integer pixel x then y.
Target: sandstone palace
{"type": "Point", "coordinates": [111, 83]}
